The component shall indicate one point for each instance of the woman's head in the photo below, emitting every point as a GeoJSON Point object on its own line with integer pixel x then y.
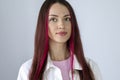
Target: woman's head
{"type": "Point", "coordinates": [44, 24]}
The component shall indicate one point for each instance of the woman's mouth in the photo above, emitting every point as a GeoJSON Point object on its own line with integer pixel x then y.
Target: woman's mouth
{"type": "Point", "coordinates": [62, 33]}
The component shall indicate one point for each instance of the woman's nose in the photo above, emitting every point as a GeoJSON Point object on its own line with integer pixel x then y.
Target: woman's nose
{"type": "Point", "coordinates": [61, 24]}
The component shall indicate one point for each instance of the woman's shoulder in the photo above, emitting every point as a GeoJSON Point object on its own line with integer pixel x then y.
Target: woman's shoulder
{"type": "Point", "coordinates": [24, 70]}
{"type": "Point", "coordinates": [91, 62]}
{"type": "Point", "coordinates": [27, 64]}
{"type": "Point", "coordinates": [95, 68]}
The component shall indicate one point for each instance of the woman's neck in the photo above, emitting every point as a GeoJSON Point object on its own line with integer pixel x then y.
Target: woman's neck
{"type": "Point", "coordinates": [58, 51]}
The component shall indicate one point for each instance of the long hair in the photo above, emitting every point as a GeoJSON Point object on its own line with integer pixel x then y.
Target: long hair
{"type": "Point", "coordinates": [41, 43]}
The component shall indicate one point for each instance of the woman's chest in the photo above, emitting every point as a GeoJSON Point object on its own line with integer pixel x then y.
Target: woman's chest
{"type": "Point", "coordinates": [55, 74]}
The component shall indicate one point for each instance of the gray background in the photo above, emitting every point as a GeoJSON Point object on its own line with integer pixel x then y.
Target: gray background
{"type": "Point", "coordinates": [99, 22]}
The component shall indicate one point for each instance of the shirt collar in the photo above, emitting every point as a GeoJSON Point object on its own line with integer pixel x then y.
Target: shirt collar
{"type": "Point", "coordinates": [76, 64]}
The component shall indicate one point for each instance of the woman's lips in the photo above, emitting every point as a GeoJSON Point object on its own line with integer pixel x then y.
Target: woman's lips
{"type": "Point", "coordinates": [62, 33]}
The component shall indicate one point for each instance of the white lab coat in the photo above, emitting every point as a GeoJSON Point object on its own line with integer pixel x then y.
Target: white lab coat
{"type": "Point", "coordinates": [53, 72]}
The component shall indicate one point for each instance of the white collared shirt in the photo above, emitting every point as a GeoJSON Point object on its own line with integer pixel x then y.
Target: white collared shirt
{"type": "Point", "coordinates": [52, 72]}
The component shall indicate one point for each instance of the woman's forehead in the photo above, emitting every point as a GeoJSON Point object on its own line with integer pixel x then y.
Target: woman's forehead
{"type": "Point", "coordinates": [58, 9]}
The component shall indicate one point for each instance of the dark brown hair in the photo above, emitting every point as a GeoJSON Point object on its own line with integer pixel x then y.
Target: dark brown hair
{"type": "Point", "coordinates": [41, 42]}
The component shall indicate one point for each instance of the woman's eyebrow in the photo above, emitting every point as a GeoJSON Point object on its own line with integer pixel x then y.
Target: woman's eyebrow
{"type": "Point", "coordinates": [67, 15]}
{"type": "Point", "coordinates": [53, 15]}
{"type": "Point", "coordinates": [57, 15]}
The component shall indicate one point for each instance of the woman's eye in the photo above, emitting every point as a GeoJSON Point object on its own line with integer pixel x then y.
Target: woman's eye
{"type": "Point", "coordinates": [67, 19]}
{"type": "Point", "coordinates": [53, 19]}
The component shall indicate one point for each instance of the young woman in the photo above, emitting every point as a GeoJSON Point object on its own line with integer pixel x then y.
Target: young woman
{"type": "Point", "coordinates": [58, 53]}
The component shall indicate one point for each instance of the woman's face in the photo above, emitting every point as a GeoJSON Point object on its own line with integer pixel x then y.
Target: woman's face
{"type": "Point", "coordinates": [59, 24]}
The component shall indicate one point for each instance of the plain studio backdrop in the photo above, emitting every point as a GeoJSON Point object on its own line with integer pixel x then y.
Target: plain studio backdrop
{"type": "Point", "coordinates": [99, 23]}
